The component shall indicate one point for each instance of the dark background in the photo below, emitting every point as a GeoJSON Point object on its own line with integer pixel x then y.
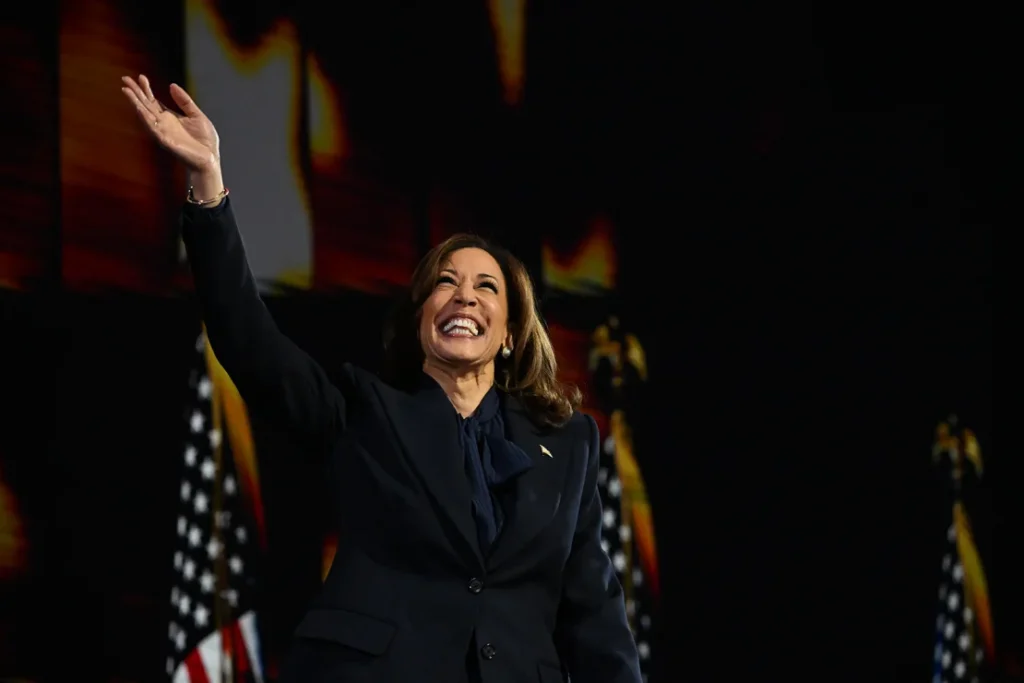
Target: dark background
{"type": "Point", "coordinates": [804, 236]}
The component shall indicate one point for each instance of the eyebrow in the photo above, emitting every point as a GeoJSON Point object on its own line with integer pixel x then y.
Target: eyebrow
{"type": "Point", "coordinates": [454, 272]}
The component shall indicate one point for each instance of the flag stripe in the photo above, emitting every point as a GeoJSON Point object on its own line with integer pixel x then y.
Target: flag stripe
{"type": "Point", "coordinates": [196, 668]}
{"type": "Point", "coordinates": [238, 649]}
{"type": "Point", "coordinates": [250, 637]}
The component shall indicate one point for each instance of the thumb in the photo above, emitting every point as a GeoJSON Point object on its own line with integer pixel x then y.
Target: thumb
{"type": "Point", "coordinates": [184, 102]}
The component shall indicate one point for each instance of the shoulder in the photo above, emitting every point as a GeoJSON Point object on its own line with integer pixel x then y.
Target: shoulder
{"type": "Point", "coordinates": [358, 381]}
{"type": "Point", "coordinates": [354, 375]}
{"type": "Point", "coordinates": [581, 428]}
{"type": "Point", "coordinates": [581, 423]}
{"type": "Point", "coordinates": [581, 438]}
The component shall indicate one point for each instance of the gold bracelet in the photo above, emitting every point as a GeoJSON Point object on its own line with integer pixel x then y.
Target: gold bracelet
{"type": "Point", "coordinates": [191, 198]}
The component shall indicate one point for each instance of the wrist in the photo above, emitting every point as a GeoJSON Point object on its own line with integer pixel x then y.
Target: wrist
{"type": "Point", "coordinates": [206, 183]}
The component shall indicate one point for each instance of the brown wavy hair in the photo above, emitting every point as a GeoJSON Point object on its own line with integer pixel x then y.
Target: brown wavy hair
{"type": "Point", "coordinates": [530, 373]}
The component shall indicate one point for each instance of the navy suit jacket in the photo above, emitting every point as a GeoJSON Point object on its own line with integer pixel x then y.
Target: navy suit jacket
{"type": "Point", "coordinates": [410, 597]}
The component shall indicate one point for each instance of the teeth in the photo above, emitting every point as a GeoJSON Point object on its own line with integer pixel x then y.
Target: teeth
{"type": "Point", "coordinates": [463, 324]}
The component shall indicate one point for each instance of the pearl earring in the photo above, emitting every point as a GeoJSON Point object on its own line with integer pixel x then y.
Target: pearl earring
{"type": "Point", "coordinates": [505, 352]}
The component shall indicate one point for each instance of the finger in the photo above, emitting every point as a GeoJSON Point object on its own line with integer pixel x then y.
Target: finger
{"type": "Point", "coordinates": [140, 96]}
{"type": "Point", "coordinates": [182, 99]}
{"type": "Point", "coordinates": [151, 120]}
{"type": "Point", "coordinates": [148, 90]}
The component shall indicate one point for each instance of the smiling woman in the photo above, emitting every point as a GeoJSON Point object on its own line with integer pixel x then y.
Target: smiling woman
{"type": "Point", "coordinates": [468, 513]}
{"type": "Point", "coordinates": [470, 320]}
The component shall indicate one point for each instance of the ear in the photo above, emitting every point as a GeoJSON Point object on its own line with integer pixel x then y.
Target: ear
{"type": "Point", "coordinates": [508, 342]}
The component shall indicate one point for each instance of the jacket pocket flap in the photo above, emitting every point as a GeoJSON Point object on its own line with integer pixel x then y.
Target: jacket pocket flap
{"type": "Point", "coordinates": [357, 631]}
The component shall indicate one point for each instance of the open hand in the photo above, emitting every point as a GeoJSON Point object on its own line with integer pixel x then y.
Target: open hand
{"type": "Point", "coordinates": [190, 136]}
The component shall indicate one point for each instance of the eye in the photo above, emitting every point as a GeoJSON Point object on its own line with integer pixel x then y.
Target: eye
{"type": "Point", "coordinates": [490, 285]}
{"type": "Point", "coordinates": [446, 280]}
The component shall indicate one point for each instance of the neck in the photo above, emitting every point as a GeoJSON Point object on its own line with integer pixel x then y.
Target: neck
{"type": "Point", "coordinates": [464, 387]}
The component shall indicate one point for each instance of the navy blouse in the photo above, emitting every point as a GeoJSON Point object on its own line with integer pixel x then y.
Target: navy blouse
{"type": "Point", "coordinates": [491, 461]}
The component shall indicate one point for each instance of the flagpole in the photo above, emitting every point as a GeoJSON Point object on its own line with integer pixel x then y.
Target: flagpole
{"type": "Point", "coordinates": [220, 608]}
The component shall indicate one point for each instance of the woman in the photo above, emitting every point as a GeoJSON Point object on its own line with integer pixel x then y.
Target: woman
{"type": "Point", "coordinates": [469, 520]}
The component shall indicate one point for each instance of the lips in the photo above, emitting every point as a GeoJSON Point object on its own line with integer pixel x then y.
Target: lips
{"type": "Point", "coordinates": [461, 326]}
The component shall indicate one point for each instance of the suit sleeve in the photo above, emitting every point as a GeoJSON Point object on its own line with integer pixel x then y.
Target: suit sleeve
{"type": "Point", "coordinates": [592, 632]}
{"type": "Point", "coordinates": [278, 380]}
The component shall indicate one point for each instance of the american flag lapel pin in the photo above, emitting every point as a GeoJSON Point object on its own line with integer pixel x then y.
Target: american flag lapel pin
{"type": "Point", "coordinates": [545, 451]}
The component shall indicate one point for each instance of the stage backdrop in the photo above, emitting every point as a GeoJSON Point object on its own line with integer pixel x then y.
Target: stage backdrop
{"type": "Point", "coordinates": [767, 387]}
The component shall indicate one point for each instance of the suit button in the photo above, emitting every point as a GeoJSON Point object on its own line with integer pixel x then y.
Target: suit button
{"type": "Point", "coordinates": [488, 651]}
{"type": "Point", "coordinates": [475, 585]}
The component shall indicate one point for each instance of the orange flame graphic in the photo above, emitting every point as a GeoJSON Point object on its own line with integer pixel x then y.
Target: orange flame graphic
{"type": "Point", "coordinates": [262, 151]}
{"type": "Point", "coordinates": [589, 267]}
{"type": "Point", "coordinates": [13, 545]}
{"type": "Point", "coordinates": [508, 19]}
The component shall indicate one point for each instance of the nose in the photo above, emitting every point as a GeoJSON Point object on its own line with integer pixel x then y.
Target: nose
{"type": "Point", "coordinates": [465, 294]}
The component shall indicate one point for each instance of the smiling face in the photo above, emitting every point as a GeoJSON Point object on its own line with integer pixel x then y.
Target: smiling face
{"type": "Point", "coordinates": [464, 321]}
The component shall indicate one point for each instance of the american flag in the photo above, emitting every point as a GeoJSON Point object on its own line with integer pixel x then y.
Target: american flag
{"type": "Point", "coordinates": [958, 655]}
{"type": "Point", "coordinates": [618, 540]}
{"type": "Point", "coordinates": [212, 635]}
{"type": "Point", "coordinates": [964, 637]}
{"type": "Point", "coordinates": [618, 367]}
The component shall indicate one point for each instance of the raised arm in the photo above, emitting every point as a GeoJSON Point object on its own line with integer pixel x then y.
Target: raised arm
{"type": "Point", "coordinates": [277, 379]}
{"type": "Point", "coordinates": [592, 632]}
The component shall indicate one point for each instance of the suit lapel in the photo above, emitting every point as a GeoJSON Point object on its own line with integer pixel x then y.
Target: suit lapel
{"type": "Point", "coordinates": [427, 429]}
{"type": "Point", "coordinates": [538, 491]}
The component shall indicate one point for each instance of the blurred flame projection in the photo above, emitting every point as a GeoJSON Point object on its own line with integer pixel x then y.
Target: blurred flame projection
{"type": "Point", "coordinates": [330, 547]}
{"type": "Point", "coordinates": [13, 546]}
{"type": "Point", "coordinates": [254, 97]}
{"type": "Point", "coordinates": [589, 267]}
{"type": "Point", "coordinates": [508, 20]}
{"type": "Point", "coordinates": [328, 135]}
{"type": "Point", "coordinates": [572, 348]}
{"type": "Point", "coordinates": [28, 178]}
{"type": "Point", "coordinates": [447, 216]}
{"type": "Point", "coordinates": [364, 225]}
{"type": "Point", "coordinates": [120, 194]}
